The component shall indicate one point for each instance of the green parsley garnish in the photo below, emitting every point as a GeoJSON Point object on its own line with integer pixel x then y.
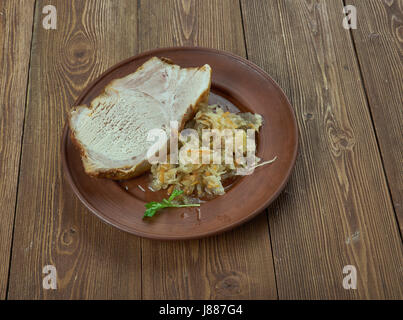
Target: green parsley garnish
{"type": "Point", "coordinates": [153, 206]}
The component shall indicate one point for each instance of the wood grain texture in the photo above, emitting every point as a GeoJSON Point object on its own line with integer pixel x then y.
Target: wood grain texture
{"type": "Point", "coordinates": [93, 260]}
{"type": "Point", "coordinates": [15, 42]}
{"type": "Point", "coordinates": [379, 45]}
{"type": "Point", "coordinates": [234, 265]}
{"type": "Point", "coordinates": [336, 210]}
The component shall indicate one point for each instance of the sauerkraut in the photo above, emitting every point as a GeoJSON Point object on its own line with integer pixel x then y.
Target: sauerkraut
{"type": "Point", "coordinates": [206, 179]}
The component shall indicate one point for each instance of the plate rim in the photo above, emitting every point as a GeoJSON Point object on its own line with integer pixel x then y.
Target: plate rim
{"type": "Point", "coordinates": [231, 225]}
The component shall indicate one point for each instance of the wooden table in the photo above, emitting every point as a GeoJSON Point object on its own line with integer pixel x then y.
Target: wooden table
{"type": "Point", "coordinates": [342, 206]}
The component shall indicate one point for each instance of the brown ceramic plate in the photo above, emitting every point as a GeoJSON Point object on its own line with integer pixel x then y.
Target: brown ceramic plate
{"type": "Point", "coordinates": [236, 84]}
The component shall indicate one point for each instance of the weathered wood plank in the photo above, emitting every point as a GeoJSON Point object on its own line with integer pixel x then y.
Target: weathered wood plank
{"type": "Point", "coordinates": [15, 42]}
{"type": "Point", "coordinates": [379, 44]}
{"type": "Point", "coordinates": [237, 264]}
{"type": "Point", "coordinates": [336, 210]}
{"type": "Point", "coordinates": [93, 260]}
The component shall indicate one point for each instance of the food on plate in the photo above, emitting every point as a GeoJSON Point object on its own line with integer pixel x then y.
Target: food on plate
{"type": "Point", "coordinates": [207, 179]}
{"type": "Point", "coordinates": [111, 133]}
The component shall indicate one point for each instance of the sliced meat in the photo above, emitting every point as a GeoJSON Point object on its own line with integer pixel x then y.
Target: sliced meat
{"type": "Point", "coordinates": [112, 132]}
